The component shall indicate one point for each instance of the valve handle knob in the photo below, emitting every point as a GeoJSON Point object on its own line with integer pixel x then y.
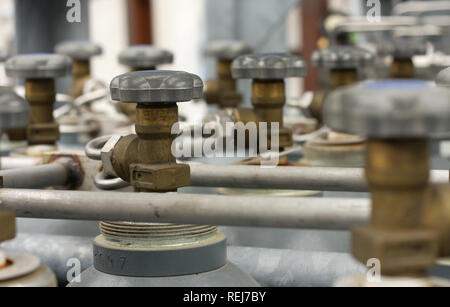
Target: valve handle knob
{"type": "Point", "coordinates": [38, 66]}
{"type": "Point", "coordinates": [269, 66]}
{"type": "Point", "coordinates": [156, 86]}
{"type": "Point", "coordinates": [145, 56]}
{"type": "Point", "coordinates": [227, 50]}
{"type": "Point", "coordinates": [343, 57]}
{"type": "Point", "coordinates": [389, 109]}
{"type": "Point", "coordinates": [79, 50]}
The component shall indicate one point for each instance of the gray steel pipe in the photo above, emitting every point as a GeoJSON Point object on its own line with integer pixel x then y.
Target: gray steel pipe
{"type": "Point", "coordinates": [270, 267]}
{"type": "Point", "coordinates": [301, 178]}
{"type": "Point", "coordinates": [313, 213]}
{"type": "Point", "coordinates": [18, 162]}
{"type": "Point", "coordinates": [36, 177]}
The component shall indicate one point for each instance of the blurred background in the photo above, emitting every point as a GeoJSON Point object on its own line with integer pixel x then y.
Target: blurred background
{"type": "Point", "coordinates": [184, 27]}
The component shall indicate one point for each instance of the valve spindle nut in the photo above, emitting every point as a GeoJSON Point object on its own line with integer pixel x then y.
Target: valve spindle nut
{"type": "Point", "coordinates": [227, 50]}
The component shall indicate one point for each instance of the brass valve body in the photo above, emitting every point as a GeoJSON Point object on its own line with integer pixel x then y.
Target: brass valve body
{"type": "Point", "coordinates": [42, 129]}
{"type": "Point", "coordinates": [7, 226]}
{"type": "Point", "coordinates": [223, 90]}
{"type": "Point", "coordinates": [81, 73]}
{"type": "Point", "coordinates": [343, 77]}
{"type": "Point", "coordinates": [338, 78]}
{"type": "Point", "coordinates": [145, 159]}
{"type": "Point", "coordinates": [268, 99]}
{"type": "Point", "coordinates": [402, 69]}
{"type": "Point", "coordinates": [18, 134]}
{"type": "Point", "coordinates": [436, 215]}
{"type": "Point", "coordinates": [397, 171]}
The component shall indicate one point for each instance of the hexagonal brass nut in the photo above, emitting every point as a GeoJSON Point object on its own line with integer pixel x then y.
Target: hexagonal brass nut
{"type": "Point", "coordinates": [7, 226]}
{"type": "Point", "coordinates": [47, 133]}
{"type": "Point", "coordinates": [159, 178]}
{"type": "Point", "coordinates": [399, 251]}
{"type": "Point", "coordinates": [107, 154]}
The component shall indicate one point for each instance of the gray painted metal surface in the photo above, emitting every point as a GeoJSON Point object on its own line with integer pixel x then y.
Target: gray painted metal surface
{"type": "Point", "coordinates": [14, 110]}
{"type": "Point", "coordinates": [270, 267]}
{"type": "Point", "coordinates": [227, 276]}
{"type": "Point", "coordinates": [163, 261]}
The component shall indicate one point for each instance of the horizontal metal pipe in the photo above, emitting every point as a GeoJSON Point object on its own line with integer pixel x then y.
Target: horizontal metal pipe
{"type": "Point", "coordinates": [313, 213]}
{"type": "Point", "coordinates": [18, 162]}
{"type": "Point", "coordinates": [301, 178]}
{"type": "Point", "coordinates": [36, 177]}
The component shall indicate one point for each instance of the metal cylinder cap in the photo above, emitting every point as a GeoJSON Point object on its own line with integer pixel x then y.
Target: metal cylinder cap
{"type": "Point", "coordinates": [156, 86]}
{"type": "Point", "coordinates": [38, 66]}
{"type": "Point", "coordinates": [14, 110]}
{"type": "Point", "coordinates": [389, 108]}
{"type": "Point", "coordinates": [227, 50]}
{"type": "Point", "coordinates": [79, 50]}
{"type": "Point", "coordinates": [403, 48]}
{"type": "Point", "coordinates": [268, 66]}
{"type": "Point", "coordinates": [443, 78]}
{"type": "Point", "coordinates": [145, 56]}
{"type": "Point", "coordinates": [342, 57]}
